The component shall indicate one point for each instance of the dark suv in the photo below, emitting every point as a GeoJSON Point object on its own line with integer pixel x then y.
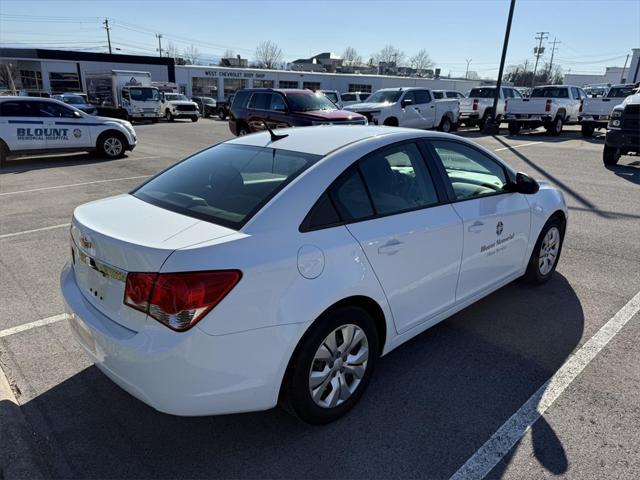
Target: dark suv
{"type": "Point", "coordinates": [282, 108]}
{"type": "Point", "coordinates": [208, 106]}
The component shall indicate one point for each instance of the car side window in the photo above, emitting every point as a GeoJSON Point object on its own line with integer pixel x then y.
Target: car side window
{"type": "Point", "coordinates": [398, 180]}
{"type": "Point", "coordinates": [422, 96]}
{"type": "Point", "coordinates": [515, 93]}
{"type": "Point", "coordinates": [472, 173]}
{"type": "Point", "coordinates": [260, 101]}
{"type": "Point", "coordinates": [350, 196]}
{"type": "Point", "coordinates": [277, 103]}
{"type": "Point", "coordinates": [410, 96]}
{"type": "Point", "coordinates": [12, 109]}
{"type": "Point", "coordinates": [48, 109]}
{"type": "Point", "coordinates": [437, 95]}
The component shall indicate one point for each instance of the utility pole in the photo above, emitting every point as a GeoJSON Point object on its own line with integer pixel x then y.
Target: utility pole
{"type": "Point", "coordinates": [553, 50]}
{"type": "Point", "coordinates": [623, 69]}
{"type": "Point", "coordinates": [466, 75]}
{"type": "Point", "coordinates": [524, 72]}
{"type": "Point", "coordinates": [538, 51]}
{"type": "Point", "coordinates": [107, 28]}
{"type": "Point", "coordinates": [159, 37]}
{"type": "Point", "coordinates": [492, 127]}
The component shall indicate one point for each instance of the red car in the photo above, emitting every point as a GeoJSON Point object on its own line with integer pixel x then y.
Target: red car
{"type": "Point", "coordinates": [281, 108]}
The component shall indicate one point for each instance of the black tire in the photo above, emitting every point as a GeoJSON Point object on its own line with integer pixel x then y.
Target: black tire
{"type": "Point", "coordinates": [445, 124]}
{"type": "Point", "coordinates": [534, 274]}
{"type": "Point", "coordinates": [514, 128]}
{"type": "Point", "coordinates": [243, 130]}
{"type": "Point", "coordinates": [107, 145]}
{"type": "Point", "coordinates": [587, 130]}
{"type": "Point", "coordinates": [194, 119]}
{"type": "Point", "coordinates": [555, 127]}
{"type": "Point", "coordinates": [391, 122]}
{"type": "Point", "coordinates": [168, 116]}
{"type": "Point", "coordinates": [4, 153]}
{"type": "Point", "coordinates": [222, 115]}
{"type": "Point", "coordinates": [154, 120]}
{"type": "Point", "coordinates": [610, 155]}
{"type": "Point", "coordinates": [483, 121]}
{"type": "Point", "coordinates": [296, 395]}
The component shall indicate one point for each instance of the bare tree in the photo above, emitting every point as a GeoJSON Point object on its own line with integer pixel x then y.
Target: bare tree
{"type": "Point", "coordinates": [171, 51]}
{"type": "Point", "coordinates": [268, 55]}
{"type": "Point", "coordinates": [473, 75]}
{"type": "Point", "coordinates": [228, 53]}
{"type": "Point", "coordinates": [9, 75]}
{"type": "Point", "coordinates": [350, 57]}
{"type": "Point", "coordinates": [191, 55]}
{"type": "Point", "coordinates": [389, 54]}
{"type": "Point", "coordinates": [421, 61]}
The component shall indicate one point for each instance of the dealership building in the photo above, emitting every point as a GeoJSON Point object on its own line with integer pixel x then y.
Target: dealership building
{"type": "Point", "coordinates": [58, 71]}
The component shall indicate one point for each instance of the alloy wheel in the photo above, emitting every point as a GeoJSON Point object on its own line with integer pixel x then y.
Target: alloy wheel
{"type": "Point", "coordinates": [338, 366]}
{"type": "Point", "coordinates": [113, 146]}
{"type": "Point", "coordinates": [549, 250]}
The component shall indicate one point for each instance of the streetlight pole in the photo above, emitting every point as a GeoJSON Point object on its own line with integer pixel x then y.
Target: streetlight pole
{"type": "Point", "coordinates": [492, 127]}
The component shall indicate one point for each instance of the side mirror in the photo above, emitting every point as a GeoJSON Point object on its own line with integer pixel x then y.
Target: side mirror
{"type": "Point", "coordinates": [77, 114]}
{"type": "Point", "coordinates": [525, 184]}
{"type": "Point", "coordinates": [406, 102]}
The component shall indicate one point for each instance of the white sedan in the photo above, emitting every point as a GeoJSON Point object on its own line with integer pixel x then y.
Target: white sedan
{"type": "Point", "coordinates": [279, 268]}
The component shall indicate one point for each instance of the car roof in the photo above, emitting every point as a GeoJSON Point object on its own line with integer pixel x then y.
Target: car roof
{"type": "Point", "coordinates": [28, 98]}
{"type": "Point", "coordinates": [324, 139]}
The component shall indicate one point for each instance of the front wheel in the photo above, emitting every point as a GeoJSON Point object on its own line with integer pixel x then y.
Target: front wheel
{"type": "Point", "coordinates": [587, 130]}
{"type": "Point", "coordinates": [243, 130]}
{"type": "Point", "coordinates": [222, 114]}
{"type": "Point", "coordinates": [168, 116]}
{"type": "Point", "coordinates": [610, 155]}
{"type": "Point", "coordinates": [546, 252]}
{"type": "Point", "coordinates": [332, 366]}
{"type": "Point", "coordinates": [514, 128]}
{"type": "Point", "coordinates": [154, 120]}
{"type": "Point", "coordinates": [194, 119]}
{"type": "Point", "coordinates": [4, 153]}
{"type": "Point", "coordinates": [445, 125]}
{"type": "Point", "coordinates": [111, 145]}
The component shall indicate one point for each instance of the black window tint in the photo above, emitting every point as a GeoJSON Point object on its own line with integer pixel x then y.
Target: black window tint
{"type": "Point", "coordinates": [348, 97]}
{"type": "Point", "coordinates": [277, 103]}
{"type": "Point", "coordinates": [472, 173]}
{"type": "Point", "coordinates": [323, 214]}
{"type": "Point", "coordinates": [11, 109]}
{"type": "Point", "coordinates": [48, 109]}
{"type": "Point", "coordinates": [260, 101]}
{"type": "Point", "coordinates": [350, 196]}
{"type": "Point", "coordinates": [438, 95]}
{"type": "Point", "coordinates": [398, 179]}
{"type": "Point", "coordinates": [422, 96]}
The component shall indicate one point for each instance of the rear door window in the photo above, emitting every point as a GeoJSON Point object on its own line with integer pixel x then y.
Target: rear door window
{"type": "Point", "coordinates": [226, 184]}
{"type": "Point", "coordinates": [260, 101]}
{"type": "Point", "coordinates": [422, 97]}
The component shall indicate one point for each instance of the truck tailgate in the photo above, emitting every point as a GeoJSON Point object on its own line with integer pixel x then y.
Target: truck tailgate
{"type": "Point", "coordinates": [526, 105]}
{"type": "Point", "coordinates": [599, 106]}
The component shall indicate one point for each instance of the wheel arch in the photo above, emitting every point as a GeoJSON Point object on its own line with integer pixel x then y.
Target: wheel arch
{"type": "Point", "coordinates": [112, 131]}
{"type": "Point", "coordinates": [391, 121]}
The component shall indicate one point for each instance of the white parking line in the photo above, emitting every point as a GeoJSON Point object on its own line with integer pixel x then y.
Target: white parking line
{"type": "Point", "coordinates": [510, 433]}
{"type": "Point", "coordinates": [29, 326]}
{"type": "Point", "coordinates": [516, 146]}
{"type": "Point", "coordinates": [72, 185]}
{"type": "Point", "coordinates": [24, 232]}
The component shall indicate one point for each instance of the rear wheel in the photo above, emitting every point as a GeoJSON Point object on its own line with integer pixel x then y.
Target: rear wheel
{"type": "Point", "coordinates": [154, 120]}
{"type": "Point", "coordinates": [514, 128]}
{"type": "Point", "coordinates": [555, 127]}
{"type": "Point", "coordinates": [587, 130]}
{"type": "Point", "coordinates": [445, 125]}
{"type": "Point", "coordinates": [222, 114]}
{"type": "Point", "coordinates": [391, 122]}
{"type": "Point", "coordinates": [332, 366]}
{"type": "Point", "coordinates": [483, 121]}
{"type": "Point", "coordinates": [546, 252]}
{"type": "Point", "coordinates": [4, 153]}
{"type": "Point", "coordinates": [610, 155]}
{"type": "Point", "coordinates": [243, 130]}
{"type": "Point", "coordinates": [111, 145]}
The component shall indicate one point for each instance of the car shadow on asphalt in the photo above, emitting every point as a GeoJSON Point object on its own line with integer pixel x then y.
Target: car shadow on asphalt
{"type": "Point", "coordinates": [27, 164]}
{"type": "Point", "coordinates": [431, 404]}
{"type": "Point", "coordinates": [536, 134]}
{"type": "Point", "coordinates": [630, 172]}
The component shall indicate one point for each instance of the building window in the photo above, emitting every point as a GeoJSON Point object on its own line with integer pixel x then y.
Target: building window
{"type": "Point", "coordinates": [359, 87]}
{"type": "Point", "coordinates": [232, 85]}
{"type": "Point", "coordinates": [31, 80]}
{"type": "Point", "coordinates": [204, 87]}
{"type": "Point", "coordinates": [263, 84]}
{"type": "Point", "coordinates": [287, 84]}
{"type": "Point", "coordinates": [64, 82]}
{"type": "Point", "coordinates": [312, 86]}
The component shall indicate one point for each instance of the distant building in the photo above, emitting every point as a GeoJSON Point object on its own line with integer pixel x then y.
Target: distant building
{"type": "Point", "coordinates": [323, 62]}
{"type": "Point", "coordinates": [234, 62]}
{"type": "Point", "coordinates": [611, 75]}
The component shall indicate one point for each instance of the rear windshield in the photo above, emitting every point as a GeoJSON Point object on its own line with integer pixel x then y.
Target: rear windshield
{"type": "Point", "coordinates": [225, 184]}
{"type": "Point", "coordinates": [482, 92]}
{"type": "Point", "coordinates": [622, 91]}
{"type": "Point", "coordinates": [550, 92]}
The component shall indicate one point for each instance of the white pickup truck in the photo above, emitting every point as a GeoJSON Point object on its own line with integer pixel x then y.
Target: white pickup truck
{"type": "Point", "coordinates": [477, 107]}
{"type": "Point", "coordinates": [551, 106]}
{"type": "Point", "coordinates": [412, 107]}
{"type": "Point", "coordinates": [594, 112]}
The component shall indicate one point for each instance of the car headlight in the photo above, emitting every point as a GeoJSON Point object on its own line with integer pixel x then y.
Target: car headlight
{"type": "Point", "coordinates": [616, 114]}
{"type": "Point", "coordinates": [615, 123]}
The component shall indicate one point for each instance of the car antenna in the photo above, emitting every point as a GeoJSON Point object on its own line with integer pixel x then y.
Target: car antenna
{"type": "Point", "coordinates": [274, 136]}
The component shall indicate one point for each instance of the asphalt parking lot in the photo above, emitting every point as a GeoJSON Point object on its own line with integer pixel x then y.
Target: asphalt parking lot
{"type": "Point", "coordinates": [433, 402]}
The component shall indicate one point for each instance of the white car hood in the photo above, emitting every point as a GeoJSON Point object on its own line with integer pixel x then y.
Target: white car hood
{"type": "Point", "coordinates": [367, 106]}
{"type": "Point", "coordinates": [181, 102]}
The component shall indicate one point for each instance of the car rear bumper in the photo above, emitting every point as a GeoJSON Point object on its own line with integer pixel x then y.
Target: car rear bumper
{"type": "Point", "coordinates": [469, 115]}
{"type": "Point", "coordinates": [189, 373]}
{"type": "Point", "coordinates": [624, 139]}
{"type": "Point", "coordinates": [528, 117]}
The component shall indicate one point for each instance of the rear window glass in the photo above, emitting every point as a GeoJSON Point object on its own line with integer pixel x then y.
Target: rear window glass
{"type": "Point", "coordinates": [550, 92]}
{"type": "Point", "coordinates": [622, 91]}
{"type": "Point", "coordinates": [225, 184]}
{"type": "Point", "coordinates": [482, 92]}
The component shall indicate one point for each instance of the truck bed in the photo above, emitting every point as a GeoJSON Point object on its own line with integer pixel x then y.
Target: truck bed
{"type": "Point", "coordinates": [600, 106]}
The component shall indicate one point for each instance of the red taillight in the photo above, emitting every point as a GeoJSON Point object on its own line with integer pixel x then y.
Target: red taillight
{"type": "Point", "coordinates": [179, 300]}
{"type": "Point", "coordinates": [547, 106]}
{"type": "Point", "coordinates": [581, 105]}
{"type": "Point", "coordinates": [475, 104]}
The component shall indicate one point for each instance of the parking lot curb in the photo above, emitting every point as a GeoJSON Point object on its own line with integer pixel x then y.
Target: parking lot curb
{"type": "Point", "coordinates": [17, 453]}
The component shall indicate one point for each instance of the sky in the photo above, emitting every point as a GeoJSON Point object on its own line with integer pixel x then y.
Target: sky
{"type": "Point", "coordinates": [592, 34]}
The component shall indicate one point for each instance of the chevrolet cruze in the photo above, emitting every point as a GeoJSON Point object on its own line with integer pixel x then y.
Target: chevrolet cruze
{"type": "Point", "coordinates": [277, 268]}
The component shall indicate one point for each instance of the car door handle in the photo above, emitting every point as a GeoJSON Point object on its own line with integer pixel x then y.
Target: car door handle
{"type": "Point", "coordinates": [476, 227]}
{"type": "Point", "coordinates": [390, 248]}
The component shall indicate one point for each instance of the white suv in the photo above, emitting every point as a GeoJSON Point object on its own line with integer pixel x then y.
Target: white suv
{"type": "Point", "coordinates": [31, 125]}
